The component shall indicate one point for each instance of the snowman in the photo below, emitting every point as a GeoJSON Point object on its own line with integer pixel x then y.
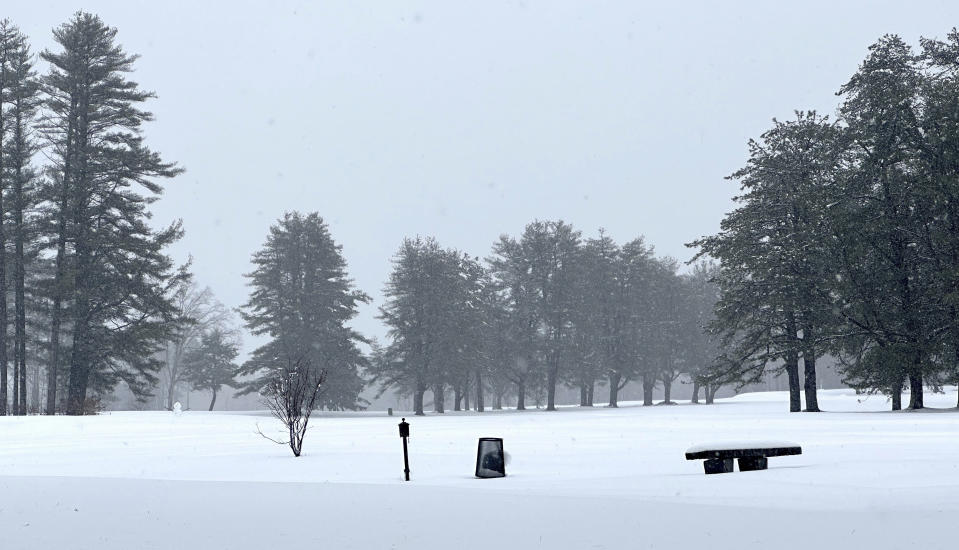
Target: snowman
{"type": "Point", "coordinates": [177, 409]}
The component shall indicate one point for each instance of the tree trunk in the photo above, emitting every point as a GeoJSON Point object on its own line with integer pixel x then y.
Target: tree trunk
{"type": "Point", "coordinates": [466, 397]}
{"type": "Point", "coordinates": [915, 390]}
{"type": "Point", "coordinates": [418, 401]}
{"type": "Point", "coordinates": [711, 390]}
{"type": "Point", "coordinates": [809, 369]}
{"type": "Point", "coordinates": [77, 390]}
{"type": "Point", "coordinates": [582, 395]}
{"type": "Point", "coordinates": [22, 370]}
{"type": "Point", "coordinates": [54, 363]}
{"type": "Point", "coordinates": [551, 377]}
{"type": "Point", "coordinates": [480, 405]}
{"type": "Point", "coordinates": [3, 275]}
{"type": "Point", "coordinates": [457, 397]}
{"type": "Point", "coordinates": [792, 363]}
{"type": "Point", "coordinates": [20, 331]}
{"type": "Point", "coordinates": [80, 358]}
{"type": "Point", "coordinates": [35, 391]}
{"type": "Point", "coordinates": [915, 381]}
{"type": "Point", "coordinates": [439, 398]}
{"type": "Point", "coordinates": [19, 239]}
{"type": "Point", "coordinates": [809, 384]}
{"type": "Point", "coordinates": [695, 398]}
{"type": "Point", "coordinates": [521, 395]}
{"type": "Point", "coordinates": [895, 392]}
{"type": "Point", "coordinates": [171, 386]}
{"type": "Point", "coordinates": [792, 372]}
{"type": "Point", "coordinates": [590, 390]}
{"type": "Point", "coordinates": [4, 321]}
{"type": "Point", "coordinates": [614, 379]}
{"type": "Point", "coordinates": [648, 384]}
{"type": "Point", "coordinates": [212, 401]}
{"type": "Point", "coordinates": [667, 390]}
{"type": "Point", "coordinates": [498, 401]}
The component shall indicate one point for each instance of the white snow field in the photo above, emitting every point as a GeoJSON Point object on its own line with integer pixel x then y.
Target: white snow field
{"type": "Point", "coordinates": [579, 479]}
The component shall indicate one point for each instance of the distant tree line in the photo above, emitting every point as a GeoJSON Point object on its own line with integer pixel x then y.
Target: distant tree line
{"type": "Point", "coordinates": [846, 237]}
{"type": "Point", "coordinates": [545, 309]}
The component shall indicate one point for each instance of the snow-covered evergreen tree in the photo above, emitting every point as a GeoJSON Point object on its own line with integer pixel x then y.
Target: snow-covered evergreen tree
{"type": "Point", "coordinates": [111, 266]}
{"type": "Point", "coordinates": [775, 306]}
{"type": "Point", "coordinates": [302, 299]}
{"type": "Point", "coordinates": [210, 365]}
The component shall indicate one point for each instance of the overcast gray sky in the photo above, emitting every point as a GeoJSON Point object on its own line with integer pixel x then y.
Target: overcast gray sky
{"type": "Point", "coordinates": [468, 120]}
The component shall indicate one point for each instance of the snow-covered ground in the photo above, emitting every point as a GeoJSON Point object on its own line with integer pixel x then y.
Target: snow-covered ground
{"type": "Point", "coordinates": [600, 478]}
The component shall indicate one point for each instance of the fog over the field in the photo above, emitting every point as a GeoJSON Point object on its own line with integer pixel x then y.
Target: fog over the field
{"type": "Point", "coordinates": [460, 121]}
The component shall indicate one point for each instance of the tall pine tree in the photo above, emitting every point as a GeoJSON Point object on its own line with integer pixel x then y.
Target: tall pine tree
{"type": "Point", "coordinates": [302, 299]}
{"type": "Point", "coordinates": [880, 215]}
{"type": "Point", "coordinates": [773, 254]}
{"type": "Point", "coordinates": [19, 96]}
{"type": "Point", "coordinates": [111, 266]}
{"type": "Point", "coordinates": [421, 310]}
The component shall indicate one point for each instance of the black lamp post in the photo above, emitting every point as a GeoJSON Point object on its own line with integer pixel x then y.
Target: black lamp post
{"type": "Point", "coordinates": [405, 433]}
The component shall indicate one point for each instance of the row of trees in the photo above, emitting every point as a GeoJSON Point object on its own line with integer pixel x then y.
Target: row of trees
{"type": "Point", "coordinates": [545, 309]}
{"type": "Point", "coordinates": [92, 285]}
{"type": "Point", "coordinates": [846, 240]}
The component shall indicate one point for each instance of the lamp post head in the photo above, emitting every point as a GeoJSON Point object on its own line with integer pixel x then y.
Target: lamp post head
{"type": "Point", "coordinates": [404, 428]}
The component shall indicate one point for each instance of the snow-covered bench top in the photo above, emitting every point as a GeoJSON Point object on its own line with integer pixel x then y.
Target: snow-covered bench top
{"type": "Point", "coordinates": [740, 445]}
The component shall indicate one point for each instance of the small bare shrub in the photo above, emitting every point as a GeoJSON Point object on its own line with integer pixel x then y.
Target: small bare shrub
{"type": "Point", "coordinates": [291, 397]}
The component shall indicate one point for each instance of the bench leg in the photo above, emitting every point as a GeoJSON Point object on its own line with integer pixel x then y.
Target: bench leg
{"type": "Point", "coordinates": [718, 465]}
{"type": "Point", "coordinates": [752, 463]}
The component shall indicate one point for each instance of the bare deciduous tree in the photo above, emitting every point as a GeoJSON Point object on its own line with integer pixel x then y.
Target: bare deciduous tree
{"type": "Point", "coordinates": [199, 312]}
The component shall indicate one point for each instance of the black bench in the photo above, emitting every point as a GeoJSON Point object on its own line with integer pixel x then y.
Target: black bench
{"type": "Point", "coordinates": [752, 456]}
